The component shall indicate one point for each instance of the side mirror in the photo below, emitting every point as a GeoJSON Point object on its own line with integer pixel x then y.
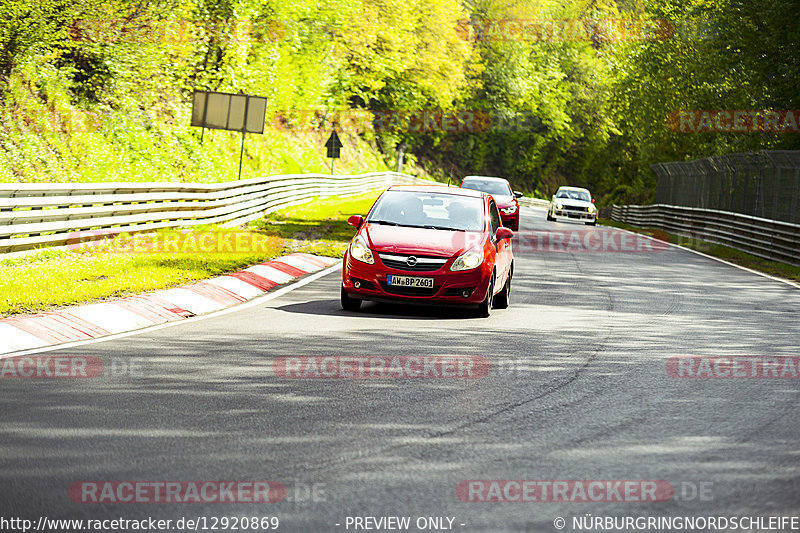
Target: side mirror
{"type": "Point", "coordinates": [355, 221]}
{"type": "Point", "coordinates": [504, 233]}
{"type": "Point", "coordinates": [518, 194]}
{"type": "Point", "coordinates": [592, 200]}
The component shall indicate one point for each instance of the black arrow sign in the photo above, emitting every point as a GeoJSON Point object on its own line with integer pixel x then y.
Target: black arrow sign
{"type": "Point", "coordinates": [333, 144]}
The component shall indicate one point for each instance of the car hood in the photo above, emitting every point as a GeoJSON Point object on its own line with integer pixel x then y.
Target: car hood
{"type": "Point", "coordinates": [503, 201]}
{"type": "Point", "coordinates": [572, 202]}
{"type": "Point", "coordinates": [421, 241]}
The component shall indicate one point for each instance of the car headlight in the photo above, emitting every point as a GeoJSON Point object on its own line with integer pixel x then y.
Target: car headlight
{"type": "Point", "coordinates": [509, 210]}
{"type": "Point", "coordinates": [360, 252]}
{"type": "Point", "coordinates": [559, 206]}
{"type": "Point", "coordinates": [591, 209]}
{"type": "Point", "coordinates": [468, 261]}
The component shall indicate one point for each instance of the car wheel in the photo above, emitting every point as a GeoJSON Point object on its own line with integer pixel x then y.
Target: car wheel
{"type": "Point", "coordinates": [592, 223]}
{"type": "Point", "coordinates": [549, 218]}
{"type": "Point", "coordinates": [503, 298]}
{"type": "Point", "coordinates": [485, 307]}
{"type": "Point", "coordinates": [348, 303]}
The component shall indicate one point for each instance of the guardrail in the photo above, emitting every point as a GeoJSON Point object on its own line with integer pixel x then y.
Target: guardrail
{"type": "Point", "coordinates": [532, 202]}
{"type": "Point", "coordinates": [33, 215]}
{"type": "Point", "coordinates": [762, 237]}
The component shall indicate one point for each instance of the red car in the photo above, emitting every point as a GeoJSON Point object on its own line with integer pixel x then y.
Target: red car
{"type": "Point", "coordinates": [430, 244]}
{"type": "Point", "coordinates": [501, 190]}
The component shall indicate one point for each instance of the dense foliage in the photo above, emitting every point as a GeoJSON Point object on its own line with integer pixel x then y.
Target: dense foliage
{"type": "Point", "coordinates": [570, 92]}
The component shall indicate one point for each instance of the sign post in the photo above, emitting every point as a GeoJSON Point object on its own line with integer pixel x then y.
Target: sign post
{"type": "Point", "coordinates": [333, 144]}
{"type": "Point", "coordinates": [244, 125]}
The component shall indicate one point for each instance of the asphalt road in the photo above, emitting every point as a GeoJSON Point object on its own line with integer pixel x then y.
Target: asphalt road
{"type": "Point", "coordinates": [578, 389]}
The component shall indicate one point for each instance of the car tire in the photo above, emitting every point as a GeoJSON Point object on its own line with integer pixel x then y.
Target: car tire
{"type": "Point", "coordinates": [485, 307]}
{"type": "Point", "coordinates": [348, 303]}
{"type": "Point", "coordinates": [592, 223]}
{"type": "Point", "coordinates": [503, 298]}
{"type": "Point", "coordinates": [549, 218]}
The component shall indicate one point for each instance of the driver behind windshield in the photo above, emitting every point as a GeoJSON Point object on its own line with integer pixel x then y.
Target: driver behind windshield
{"type": "Point", "coordinates": [463, 216]}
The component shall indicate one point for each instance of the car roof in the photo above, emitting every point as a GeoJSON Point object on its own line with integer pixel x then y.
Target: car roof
{"type": "Point", "coordinates": [485, 178]}
{"type": "Point", "coordinates": [439, 189]}
{"type": "Point", "coordinates": [567, 188]}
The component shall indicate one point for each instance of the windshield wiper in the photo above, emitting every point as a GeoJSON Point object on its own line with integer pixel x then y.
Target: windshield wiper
{"type": "Point", "coordinates": [442, 227]}
{"type": "Point", "coordinates": [431, 226]}
{"type": "Point", "coordinates": [424, 226]}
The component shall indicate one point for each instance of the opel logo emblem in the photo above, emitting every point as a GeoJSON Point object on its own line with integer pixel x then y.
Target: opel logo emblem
{"type": "Point", "coordinates": [411, 261]}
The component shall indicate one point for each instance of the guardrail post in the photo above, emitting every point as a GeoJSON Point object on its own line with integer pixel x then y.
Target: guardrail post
{"type": "Point", "coordinates": [795, 196]}
{"type": "Point", "coordinates": [776, 189]}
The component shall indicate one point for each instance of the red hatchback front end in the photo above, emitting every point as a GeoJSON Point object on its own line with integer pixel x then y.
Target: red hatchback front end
{"type": "Point", "coordinates": [427, 244]}
{"type": "Point", "coordinates": [509, 212]}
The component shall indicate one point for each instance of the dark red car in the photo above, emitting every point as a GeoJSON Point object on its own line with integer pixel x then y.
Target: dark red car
{"type": "Point", "coordinates": [430, 244]}
{"type": "Point", "coordinates": [505, 197]}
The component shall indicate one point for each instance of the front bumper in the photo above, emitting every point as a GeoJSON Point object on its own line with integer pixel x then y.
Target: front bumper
{"type": "Point", "coordinates": [510, 221]}
{"type": "Point", "coordinates": [370, 282]}
{"type": "Point", "coordinates": [575, 215]}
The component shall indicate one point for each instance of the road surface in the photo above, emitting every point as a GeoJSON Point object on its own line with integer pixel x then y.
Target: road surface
{"type": "Point", "coordinates": [578, 389]}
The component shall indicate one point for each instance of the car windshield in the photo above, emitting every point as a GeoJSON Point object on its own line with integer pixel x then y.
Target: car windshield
{"type": "Point", "coordinates": [493, 187]}
{"type": "Point", "coordinates": [574, 195]}
{"type": "Point", "coordinates": [428, 210]}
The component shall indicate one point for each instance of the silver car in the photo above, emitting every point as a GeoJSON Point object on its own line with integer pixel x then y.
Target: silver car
{"type": "Point", "coordinates": [573, 203]}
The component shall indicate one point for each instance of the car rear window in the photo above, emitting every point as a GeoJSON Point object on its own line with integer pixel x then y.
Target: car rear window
{"type": "Point", "coordinates": [491, 186]}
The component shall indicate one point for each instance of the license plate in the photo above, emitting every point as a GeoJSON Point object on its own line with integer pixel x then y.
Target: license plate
{"type": "Point", "coordinates": [409, 281]}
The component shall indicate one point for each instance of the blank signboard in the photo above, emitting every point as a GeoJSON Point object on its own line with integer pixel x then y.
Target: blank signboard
{"type": "Point", "coordinates": [225, 111]}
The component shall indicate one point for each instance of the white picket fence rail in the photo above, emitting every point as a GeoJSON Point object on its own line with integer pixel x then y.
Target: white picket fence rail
{"type": "Point", "coordinates": [34, 215]}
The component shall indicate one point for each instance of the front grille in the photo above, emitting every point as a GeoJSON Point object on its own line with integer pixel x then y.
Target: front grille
{"type": "Point", "coordinates": [576, 208]}
{"type": "Point", "coordinates": [424, 263]}
{"type": "Point", "coordinates": [408, 291]}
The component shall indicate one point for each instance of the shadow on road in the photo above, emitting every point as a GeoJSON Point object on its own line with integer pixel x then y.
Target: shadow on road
{"type": "Point", "coordinates": [380, 310]}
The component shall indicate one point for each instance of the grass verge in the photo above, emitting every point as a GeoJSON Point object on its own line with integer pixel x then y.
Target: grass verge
{"type": "Point", "coordinates": [773, 268]}
{"type": "Point", "coordinates": [129, 265]}
{"type": "Point", "coordinates": [320, 226]}
{"type": "Point", "coordinates": [50, 279]}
